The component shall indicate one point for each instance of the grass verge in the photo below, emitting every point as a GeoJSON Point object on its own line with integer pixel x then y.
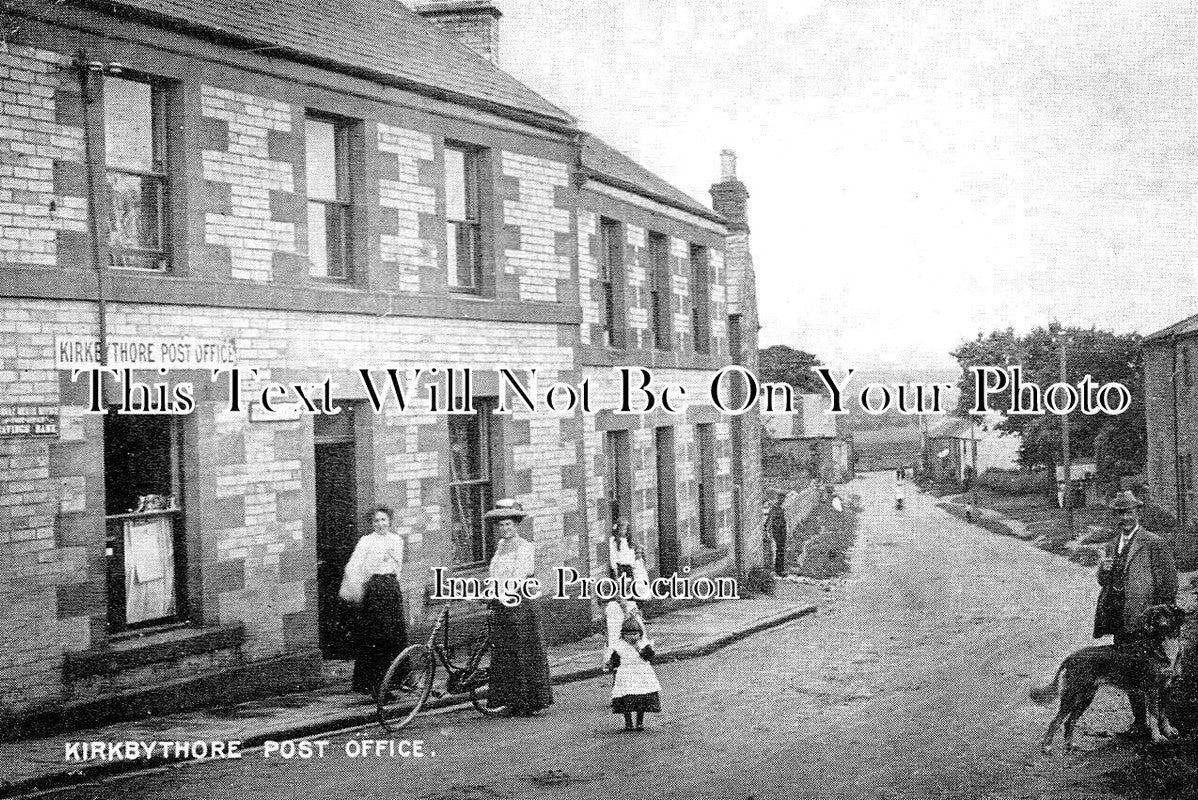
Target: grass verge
{"type": "Point", "coordinates": [822, 541]}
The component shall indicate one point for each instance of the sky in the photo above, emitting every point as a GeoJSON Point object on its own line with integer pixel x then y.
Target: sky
{"type": "Point", "coordinates": [918, 171]}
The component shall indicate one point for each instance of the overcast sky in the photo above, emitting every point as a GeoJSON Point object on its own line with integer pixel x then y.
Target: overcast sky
{"type": "Point", "coordinates": [918, 172]}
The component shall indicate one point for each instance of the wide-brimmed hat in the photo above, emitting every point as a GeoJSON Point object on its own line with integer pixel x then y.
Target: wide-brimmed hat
{"type": "Point", "coordinates": [506, 509]}
{"type": "Point", "coordinates": [1125, 500]}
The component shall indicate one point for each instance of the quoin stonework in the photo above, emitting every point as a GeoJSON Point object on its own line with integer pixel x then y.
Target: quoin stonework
{"type": "Point", "coordinates": [283, 191]}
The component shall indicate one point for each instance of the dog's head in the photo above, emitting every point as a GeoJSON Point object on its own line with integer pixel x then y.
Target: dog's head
{"type": "Point", "coordinates": [1164, 620]}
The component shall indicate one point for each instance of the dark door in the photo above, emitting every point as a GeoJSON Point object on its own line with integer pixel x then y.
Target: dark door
{"type": "Point", "coordinates": [667, 511]}
{"type": "Point", "coordinates": [336, 535]}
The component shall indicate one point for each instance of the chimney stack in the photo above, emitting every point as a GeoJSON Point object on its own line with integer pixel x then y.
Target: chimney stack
{"type": "Point", "coordinates": [474, 23]}
{"type": "Point", "coordinates": [729, 197]}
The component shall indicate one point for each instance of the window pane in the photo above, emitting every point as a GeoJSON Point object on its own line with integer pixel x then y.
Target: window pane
{"type": "Point", "coordinates": [135, 212]}
{"type": "Point", "coordinates": [129, 125]}
{"type": "Point", "coordinates": [466, 449]}
{"type": "Point", "coordinates": [336, 251]}
{"type": "Point", "coordinates": [462, 254]}
{"type": "Point", "coordinates": [318, 241]}
{"type": "Point", "coordinates": [322, 159]}
{"type": "Point", "coordinates": [455, 184]}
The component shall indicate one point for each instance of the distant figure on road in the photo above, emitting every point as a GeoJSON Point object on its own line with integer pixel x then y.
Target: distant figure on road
{"type": "Point", "coordinates": [1137, 572]}
{"type": "Point", "coordinates": [837, 503]}
{"type": "Point", "coordinates": [898, 495]}
{"type": "Point", "coordinates": [775, 526]}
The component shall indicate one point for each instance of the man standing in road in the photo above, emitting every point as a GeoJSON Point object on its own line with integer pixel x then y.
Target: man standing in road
{"type": "Point", "coordinates": [775, 526]}
{"type": "Point", "coordinates": [1136, 572]}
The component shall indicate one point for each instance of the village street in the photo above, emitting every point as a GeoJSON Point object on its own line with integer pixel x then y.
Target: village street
{"type": "Point", "coordinates": [910, 681]}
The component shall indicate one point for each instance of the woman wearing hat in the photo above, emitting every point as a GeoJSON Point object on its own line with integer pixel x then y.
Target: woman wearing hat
{"type": "Point", "coordinates": [519, 662]}
{"type": "Point", "coordinates": [372, 580]}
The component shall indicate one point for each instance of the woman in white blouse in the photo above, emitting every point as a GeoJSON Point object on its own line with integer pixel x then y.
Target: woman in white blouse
{"type": "Point", "coordinates": [372, 580]}
{"type": "Point", "coordinates": [519, 661]}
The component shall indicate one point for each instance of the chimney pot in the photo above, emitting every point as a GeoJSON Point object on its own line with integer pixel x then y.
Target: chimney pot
{"type": "Point", "coordinates": [727, 165]}
{"type": "Point", "coordinates": [729, 197]}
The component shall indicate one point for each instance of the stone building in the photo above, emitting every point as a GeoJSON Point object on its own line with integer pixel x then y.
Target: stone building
{"type": "Point", "coordinates": [303, 191]}
{"type": "Point", "coordinates": [810, 437]}
{"type": "Point", "coordinates": [1171, 416]}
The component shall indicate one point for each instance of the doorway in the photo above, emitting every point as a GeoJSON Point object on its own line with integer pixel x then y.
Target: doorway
{"type": "Point", "coordinates": [336, 526]}
{"type": "Point", "coordinates": [667, 511]}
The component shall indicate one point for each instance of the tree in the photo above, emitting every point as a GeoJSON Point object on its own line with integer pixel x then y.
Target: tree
{"type": "Point", "coordinates": [782, 364]}
{"type": "Point", "coordinates": [1119, 442]}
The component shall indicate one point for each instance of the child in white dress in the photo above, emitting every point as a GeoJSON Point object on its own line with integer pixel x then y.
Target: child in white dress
{"type": "Point", "coordinates": [635, 689]}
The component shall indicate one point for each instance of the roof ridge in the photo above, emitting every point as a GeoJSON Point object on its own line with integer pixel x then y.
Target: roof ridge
{"type": "Point", "coordinates": [393, 46]}
{"type": "Point", "coordinates": [666, 192]}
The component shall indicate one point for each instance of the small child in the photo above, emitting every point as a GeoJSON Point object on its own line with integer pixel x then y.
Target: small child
{"type": "Point", "coordinates": [635, 688]}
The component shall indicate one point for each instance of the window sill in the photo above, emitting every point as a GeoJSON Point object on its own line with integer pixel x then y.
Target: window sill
{"type": "Point", "coordinates": [133, 650]}
{"type": "Point", "coordinates": [703, 555]}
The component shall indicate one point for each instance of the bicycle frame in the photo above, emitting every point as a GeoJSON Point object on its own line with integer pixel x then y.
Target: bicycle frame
{"type": "Point", "coordinates": [470, 678]}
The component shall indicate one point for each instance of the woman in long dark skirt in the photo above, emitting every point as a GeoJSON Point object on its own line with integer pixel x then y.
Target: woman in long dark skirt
{"type": "Point", "coordinates": [519, 661]}
{"type": "Point", "coordinates": [372, 579]}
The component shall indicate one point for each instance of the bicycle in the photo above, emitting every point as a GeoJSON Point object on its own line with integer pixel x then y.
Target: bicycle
{"type": "Point", "coordinates": [410, 676]}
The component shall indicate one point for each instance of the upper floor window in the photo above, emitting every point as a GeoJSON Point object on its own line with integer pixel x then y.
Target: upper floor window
{"type": "Point", "coordinates": [463, 220]}
{"type": "Point", "coordinates": [135, 168]}
{"type": "Point", "coordinates": [700, 291]}
{"type": "Point", "coordinates": [611, 277]}
{"type": "Point", "coordinates": [330, 197]}
{"type": "Point", "coordinates": [659, 290]}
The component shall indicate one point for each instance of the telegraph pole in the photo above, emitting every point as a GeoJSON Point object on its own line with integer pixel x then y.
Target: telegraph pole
{"type": "Point", "coordinates": [1068, 498]}
{"type": "Point", "coordinates": [973, 440]}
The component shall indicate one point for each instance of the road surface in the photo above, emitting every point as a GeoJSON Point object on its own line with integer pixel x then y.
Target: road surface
{"type": "Point", "coordinates": [910, 682]}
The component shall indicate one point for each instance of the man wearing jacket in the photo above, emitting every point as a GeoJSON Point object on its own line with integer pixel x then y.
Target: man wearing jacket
{"type": "Point", "coordinates": [1136, 572]}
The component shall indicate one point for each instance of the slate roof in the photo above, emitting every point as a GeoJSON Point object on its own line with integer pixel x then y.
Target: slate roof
{"type": "Point", "coordinates": [605, 163]}
{"type": "Point", "coordinates": [379, 39]}
{"type": "Point", "coordinates": [1186, 327]}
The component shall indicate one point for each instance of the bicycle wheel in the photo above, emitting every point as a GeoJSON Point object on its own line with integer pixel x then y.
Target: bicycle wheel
{"type": "Point", "coordinates": [405, 687]}
{"type": "Point", "coordinates": [479, 689]}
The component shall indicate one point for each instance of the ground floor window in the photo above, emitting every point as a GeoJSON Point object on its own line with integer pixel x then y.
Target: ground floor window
{"type": "Point", "coordinates": [144, 515]}
{"type": "Point", "coordinates": [472, 443]}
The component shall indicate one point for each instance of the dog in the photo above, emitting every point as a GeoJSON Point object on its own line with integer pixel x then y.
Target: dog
{"type": "Point", "coordinates": [1144, 669]}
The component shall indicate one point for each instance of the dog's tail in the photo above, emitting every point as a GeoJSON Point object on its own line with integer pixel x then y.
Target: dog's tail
{"type": "Point", "coordinates": [1046, 694]}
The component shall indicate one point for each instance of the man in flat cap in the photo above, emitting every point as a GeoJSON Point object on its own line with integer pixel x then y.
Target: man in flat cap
{"type": "Point", "coordinates": [1136, 572]}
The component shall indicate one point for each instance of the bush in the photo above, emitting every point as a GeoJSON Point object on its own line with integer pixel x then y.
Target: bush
{"type": "Point", "coordinates": [1017, 481]}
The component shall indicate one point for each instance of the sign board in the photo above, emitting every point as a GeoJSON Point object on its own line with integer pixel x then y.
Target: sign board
{"type": "Point", "coordinates": [280, 412]}
{"type": "Point", "coordinates": [17, 421]}
{"type": "Point", "coordinates": [150, 352]}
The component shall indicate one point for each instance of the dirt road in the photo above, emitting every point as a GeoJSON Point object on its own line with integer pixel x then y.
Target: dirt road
{"type": "Point", "coordinates": [910, 682]}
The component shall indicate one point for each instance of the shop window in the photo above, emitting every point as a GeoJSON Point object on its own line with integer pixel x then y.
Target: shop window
{"type": "Point", "coordinates": [330, 197]}
{"type": "Point", "coordinates": [136, 175]}
{"type": "Point", "coordinates": [611, 278]}
{"type": "Point", "coordinates": [144, 509]}
{"type": "Point", "coordinates": [463, 218]}
{"type": "Point", "coordinates": [659, 291]}
{"type": "Point", "coordinates": [472, 447]}
{"type": "Point", "coordinates": [700, 292]}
